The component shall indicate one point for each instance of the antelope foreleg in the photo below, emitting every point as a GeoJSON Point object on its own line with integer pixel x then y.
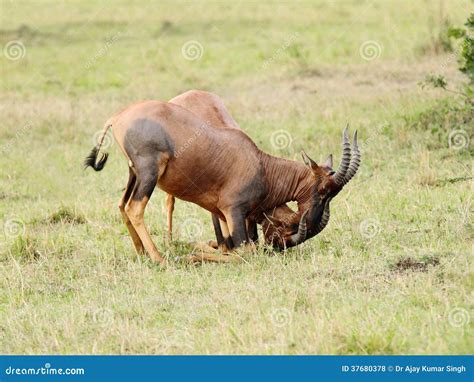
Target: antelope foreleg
{"type": "Point", "coordinates": [169, 210]}
{"type": "Point", "coordinates": [237, 227]}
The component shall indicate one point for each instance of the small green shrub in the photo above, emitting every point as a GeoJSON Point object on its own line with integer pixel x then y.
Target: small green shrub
{"type": "Point", "coordinates": [25, 248]}
{"type": "Point", "coordinates": [442, 118]}
{"type": "Point", "coordinates": [66, 215]}
{"type": "Point", "coordinates": [466, 63]}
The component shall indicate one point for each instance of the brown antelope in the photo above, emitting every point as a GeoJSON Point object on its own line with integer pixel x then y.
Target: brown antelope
{"type": "Point", "coordinates": [221, 170]}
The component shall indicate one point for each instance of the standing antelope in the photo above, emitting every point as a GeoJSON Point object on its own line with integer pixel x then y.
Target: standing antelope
{"type": "Point", "coordinates": [221, 170]}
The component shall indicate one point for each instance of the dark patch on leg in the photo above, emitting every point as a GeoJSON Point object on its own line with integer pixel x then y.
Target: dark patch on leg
{"type": "Point", "coordinates": [129, 188]}
{"type": "Point", "coordinates": [217, 230]}
{"type": "Point", "coordinates": [229, 243]}
{"type": "Point", "coordinates": [147, 176]}
{"type": "Point", "coordinates": [252, 230]}
{"type": "Point", "coordinates": [223, 242]}
{"type": "Point", "coordinates": [239, 233]}
{"type": "Point", "coordinates": [125, 198]}
{"type": "Point", "coordinates": [147, 144]}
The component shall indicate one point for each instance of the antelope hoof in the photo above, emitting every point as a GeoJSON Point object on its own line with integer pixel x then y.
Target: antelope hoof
{"type": "Point", "coordinates": [213, 244]}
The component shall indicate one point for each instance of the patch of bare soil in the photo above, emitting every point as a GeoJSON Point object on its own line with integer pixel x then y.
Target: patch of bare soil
{"type": "Point", "coordinates": [410, 264]}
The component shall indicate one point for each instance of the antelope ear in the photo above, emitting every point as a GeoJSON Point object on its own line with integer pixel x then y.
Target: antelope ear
{"type": "Point", "coordinates": [308, 161]}
{"type": "Point", "coordinates": [329, 162]}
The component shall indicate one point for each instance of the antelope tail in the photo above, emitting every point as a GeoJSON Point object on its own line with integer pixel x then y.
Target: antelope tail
{"type": "Point", "coordinates": [91, 160]}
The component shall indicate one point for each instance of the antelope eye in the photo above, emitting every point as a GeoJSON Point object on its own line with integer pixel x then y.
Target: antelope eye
{"type": "Point", "coordinates": [332, 172]}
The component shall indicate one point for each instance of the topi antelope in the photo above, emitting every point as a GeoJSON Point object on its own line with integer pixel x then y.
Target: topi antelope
{"type": "Point", "coordinates": [221, 170]}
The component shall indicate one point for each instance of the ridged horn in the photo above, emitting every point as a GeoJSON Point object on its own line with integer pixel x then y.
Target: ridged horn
{"type": "Point", "coordinates": [300, 236]}
{"type": "Point", "coordinates": [325, 218]}
{"type": "Point", "coordinates": [355, 160]}
{"type": "Point", "coordinates": [346, 158]}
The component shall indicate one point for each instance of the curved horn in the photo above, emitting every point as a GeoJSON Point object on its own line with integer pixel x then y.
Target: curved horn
{"type": "Point", "coordinates": [346, 158]}
{"type": "Point", "coordinates": [355, 160]}
{"type": "Point", "coordinates": [300, 236]}
{"type": "Point", "coordinates": [325, 218]}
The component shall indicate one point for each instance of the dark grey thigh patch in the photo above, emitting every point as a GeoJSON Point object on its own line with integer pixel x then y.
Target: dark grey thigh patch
{"type": "Point", "coordinates": [253, 192]}
{"type": "Point", "coordinates": [147, 138]}
{"type": "Point", "coordinates": [147, 176]}
{"type": "Point", "coordinates": [145, 142]}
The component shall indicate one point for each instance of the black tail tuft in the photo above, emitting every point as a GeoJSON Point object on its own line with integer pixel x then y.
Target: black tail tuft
{"type": "Point", "coordinates": [92, 158]}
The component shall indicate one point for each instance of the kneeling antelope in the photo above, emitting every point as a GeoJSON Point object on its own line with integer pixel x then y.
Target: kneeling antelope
{"type": "Point", "coordinates": [221, 170]}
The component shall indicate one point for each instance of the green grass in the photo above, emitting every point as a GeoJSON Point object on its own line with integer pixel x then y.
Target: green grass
{"type": "Point", "coordinates": [392, 273]}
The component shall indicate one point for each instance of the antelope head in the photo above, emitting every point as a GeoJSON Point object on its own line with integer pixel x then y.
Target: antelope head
{"type": "Point", "coordinates": [284, 228]}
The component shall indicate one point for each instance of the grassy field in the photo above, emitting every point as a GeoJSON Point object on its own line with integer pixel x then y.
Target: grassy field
{"type": "Point", "coordinates": [392, 273]}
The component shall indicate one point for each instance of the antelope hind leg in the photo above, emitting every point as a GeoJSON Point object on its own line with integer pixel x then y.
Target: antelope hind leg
{"type": "Point", "coordinates": [147, 176]}
{"type": "Point", "coordinates": [125, 198]}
